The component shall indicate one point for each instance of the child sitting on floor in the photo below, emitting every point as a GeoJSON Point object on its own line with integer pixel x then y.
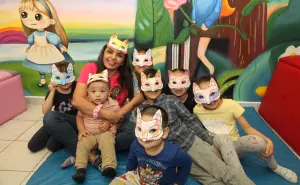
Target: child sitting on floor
{"type": "Point", "coordinates": [180, 86]}
{"type": "Point", "coordinates": [90, 129]}
{"type": "Point", "coordinates": [187, 131]}
{"type": "Point", "coordinates": [152, 159]}
{"type": "Point", "coordinates": [219, 117]}
{"type": "Point", "coordinates": [59, 96]}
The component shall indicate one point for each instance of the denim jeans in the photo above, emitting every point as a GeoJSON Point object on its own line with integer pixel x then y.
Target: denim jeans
{"type": "Point", "coordinates": [63, 128]}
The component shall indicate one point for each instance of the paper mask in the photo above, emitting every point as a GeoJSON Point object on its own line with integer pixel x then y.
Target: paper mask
{"type": "Point", "coordinates": [179, 82]}
{"type": "Point", "coordinates": [103, 76]}
{"type": "Point", "coordinates": [149, 130]}
{"type": "Point", "coordinates": [208, 95]}
{"type": "Point", "coordinates": [151, 84]}
{"type": "Point", "coordinates": [143, 59]}
{"type": "Point", "coordinates": [117, 44]}
{"type": "Point", "coordinates": [62, 78]}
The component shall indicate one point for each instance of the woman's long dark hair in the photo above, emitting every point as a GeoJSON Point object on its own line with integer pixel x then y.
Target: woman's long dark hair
{"type": "Point", "coordinates": [125, 72]}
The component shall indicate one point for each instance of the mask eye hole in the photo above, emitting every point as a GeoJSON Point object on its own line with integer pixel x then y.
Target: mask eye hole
{"type": "Point", "coordinates": [139, 129]}
{"type": "Point", "coordinates": [68, 77]}
{"type": "Point", "coordinates": [156, 83]}
{"type": "Point", "coordinates": [183, 82]}
{"type": "Point", "coordinates": [147, 85]}
{"type": "Point", "coordinates": [213, 94]}
{"type": "Point", "coordinates": [152, 131]}
{"type": "Point", "coordinates": [201, 97]}
{"type": "Point", "coordinates": [137, 60]}
{"type": "Point", "coordinates": [174, 82]}
{"type": "Point", "coordinates": [57, 78]}
{"type": "Point", "coordinates": [146, 60]}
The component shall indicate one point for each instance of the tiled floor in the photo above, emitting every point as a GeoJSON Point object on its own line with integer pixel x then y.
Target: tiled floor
{"type": "Point", "coordinates": [17, 163]}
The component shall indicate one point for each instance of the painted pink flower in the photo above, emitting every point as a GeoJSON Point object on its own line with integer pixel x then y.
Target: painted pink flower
{"type": "Point", "coordinates": [174, 4]}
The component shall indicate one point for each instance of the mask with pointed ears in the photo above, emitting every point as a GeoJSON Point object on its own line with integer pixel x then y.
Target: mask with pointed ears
{"type": "Point", "coordinates": [103, 76]}
{"type": "Point", "coordinates": [149, 130]}
{"type": "Point", "coordinates": [142, 59]}
{"type": "Point", "coordinates": [208, 95]}
{"type": "Point", "coordinates": [115, 43]}
{"type": "Point", "coordinates": [151, 84]}
{"type": "Point", "coordinates": [179, 82]}
{"type": "Point", "coordinates": [62, 78]}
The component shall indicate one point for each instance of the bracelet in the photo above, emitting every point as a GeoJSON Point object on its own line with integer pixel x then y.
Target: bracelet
{"type": "Point", "coordinates": [96, 111]}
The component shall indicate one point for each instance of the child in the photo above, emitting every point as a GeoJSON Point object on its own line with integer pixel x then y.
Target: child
{"type": "Point", "coordinates": [219, 116]}
{"type": "Point", "coordinates": [152, 159]}
{"type": "Point", "coordinates": [180, 86]}
{"type": "Point", "coordinates": [90, 132]}
{"type": "Point", "coordinates": [188, 132]}
{"type": "Point", "coordinates": [59, 96]}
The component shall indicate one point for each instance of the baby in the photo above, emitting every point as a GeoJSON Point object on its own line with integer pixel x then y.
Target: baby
{"type": "Point", "coordinates": [90, 129]}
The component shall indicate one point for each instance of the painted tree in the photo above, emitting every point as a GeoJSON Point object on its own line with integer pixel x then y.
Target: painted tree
{"type": "Point", "coordinates": [242, 51]}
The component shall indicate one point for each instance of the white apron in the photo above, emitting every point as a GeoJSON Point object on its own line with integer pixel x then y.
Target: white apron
{"type": "Point", "coordinates": [42, 52]}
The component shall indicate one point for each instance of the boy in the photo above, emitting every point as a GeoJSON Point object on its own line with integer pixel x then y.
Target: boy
{"type": "Point", "coordinates": [192, 137]}
{"type": "Point", "coordinates": [153, 160]}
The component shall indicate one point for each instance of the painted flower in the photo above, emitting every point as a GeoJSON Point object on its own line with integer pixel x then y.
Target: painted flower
{"type": "Point", "coordinates": [291, 51]}
{"type": "Point", "coordinates": [174, 4]}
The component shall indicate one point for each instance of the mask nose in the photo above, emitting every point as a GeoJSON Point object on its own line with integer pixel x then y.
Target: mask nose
{"type": "Point", "coordinates": [63, 81]}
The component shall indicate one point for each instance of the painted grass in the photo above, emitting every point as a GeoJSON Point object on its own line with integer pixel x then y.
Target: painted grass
{"type": "Point", "coordinates": [30, 78]}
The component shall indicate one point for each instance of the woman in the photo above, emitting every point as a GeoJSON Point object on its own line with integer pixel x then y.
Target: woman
{"type": "Point", "coordinates": [113, 57]}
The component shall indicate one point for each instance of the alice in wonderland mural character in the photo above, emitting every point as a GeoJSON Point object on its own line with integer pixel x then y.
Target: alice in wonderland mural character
{"type": "Point", "coordinates": [47, 39]}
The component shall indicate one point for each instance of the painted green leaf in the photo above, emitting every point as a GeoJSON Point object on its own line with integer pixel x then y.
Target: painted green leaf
{"type": "Point", "coordinates": [185, 24]}
{"type": "Point", "coordinates": [227, 85]}
{"type": "Point", "coordinates": [144, 24]}
{"type": "Point", "coordinates": [163, 26]}
{"type": "Point", "coordinates": [183, 36]}
{"type": "Point", "coordinates": [153, 25]}
{"type": "Point", "coordinates": [250, 6]}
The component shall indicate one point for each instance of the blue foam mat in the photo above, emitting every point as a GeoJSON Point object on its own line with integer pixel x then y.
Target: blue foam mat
{"type": "Point", "coordinates": [50, 172]}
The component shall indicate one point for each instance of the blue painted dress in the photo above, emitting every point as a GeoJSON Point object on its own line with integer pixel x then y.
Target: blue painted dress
{"type": "Point", "coordinates": [44, 50]}
{"type": "Point", "coordinates": [206, 12]}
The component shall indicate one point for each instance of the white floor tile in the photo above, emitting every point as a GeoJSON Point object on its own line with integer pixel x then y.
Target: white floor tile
{"type": "Point", "coordinates": [12, 129]}
{"type": "Point", "coordinates": [27, 178]}
{"type": "Point", "coordinates": [42, 161]}
{"type": "Point", "coordinates": [12, 177]}
{"type": "Point", "coordinates": [30, 132]}
{"type": "Point", "coordinates": [33, 112]}
{"type": "Point", "coordinates": [4, 144]}
{"type": "Point", "coordinates": [17, 157]}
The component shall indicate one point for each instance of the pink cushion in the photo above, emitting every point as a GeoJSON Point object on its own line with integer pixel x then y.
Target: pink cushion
{"type": "Point", "coordinates": [4, 75]}
{"type": "Point", "coordinates": [11, 97]}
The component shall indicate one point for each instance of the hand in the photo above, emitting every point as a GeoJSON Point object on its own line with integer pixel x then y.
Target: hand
{"type": "Point", "coordinates": [26, 50]}
{"type": "Point", "coordinates": [114, 117]}
{"type": "Point", "coordinates": [269, 148]}
{"type": "Point", "coordinates": [83, 133]}
{"type": "Point", "coordinates": [204, 28]}
{"type": "Point", "coordinates": [113, 129]}
{"type": "Point", "coordinates": [52, 86]}
{"type": "Point", "coordinates": [63, 49]}
{"type": "Point", "coordinates": [104, 126]}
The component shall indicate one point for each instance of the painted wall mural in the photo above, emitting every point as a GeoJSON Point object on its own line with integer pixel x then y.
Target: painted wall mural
{"type": "Point", "coordinates": [238, 41]}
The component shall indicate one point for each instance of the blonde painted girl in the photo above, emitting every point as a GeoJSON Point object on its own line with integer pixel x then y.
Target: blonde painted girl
{"type": "Point", "coordinates": [47, 39]}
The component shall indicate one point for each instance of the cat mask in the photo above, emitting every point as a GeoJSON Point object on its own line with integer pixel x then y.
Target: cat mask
{"type": "Point", "coordinates": [208, 95]}
{"type": "Point", "coordinates": [103, 76]}
{"type": "Point", "coordinates": [149, 130]}
{"type": "Point", "coordinates": [179, 82]}
{"type": "Point", "coordinates": [151, 84]}
{"type": "Point", "coordinates": [115, 43]}
{"type": "Point", "coordinates": [142, 59]}
{"type": "Point", "coordinates": [62, 78]}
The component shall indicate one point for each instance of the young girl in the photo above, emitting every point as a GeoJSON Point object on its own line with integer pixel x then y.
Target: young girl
{"type": "Point", "coordinates": [59, 96]}
{"type": "Point", "coordinates": [188, 132]}
{"type": "Point", "coordinates": [180, 86]}
{"type": "Point", "coordinates": [47, 39]}
{"type": "Point", "coordinates": [219, 117]}
{"type": "Point", "coordinates": [91, 132]}
{"type": "Point", "coordinates": [152, 159]}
